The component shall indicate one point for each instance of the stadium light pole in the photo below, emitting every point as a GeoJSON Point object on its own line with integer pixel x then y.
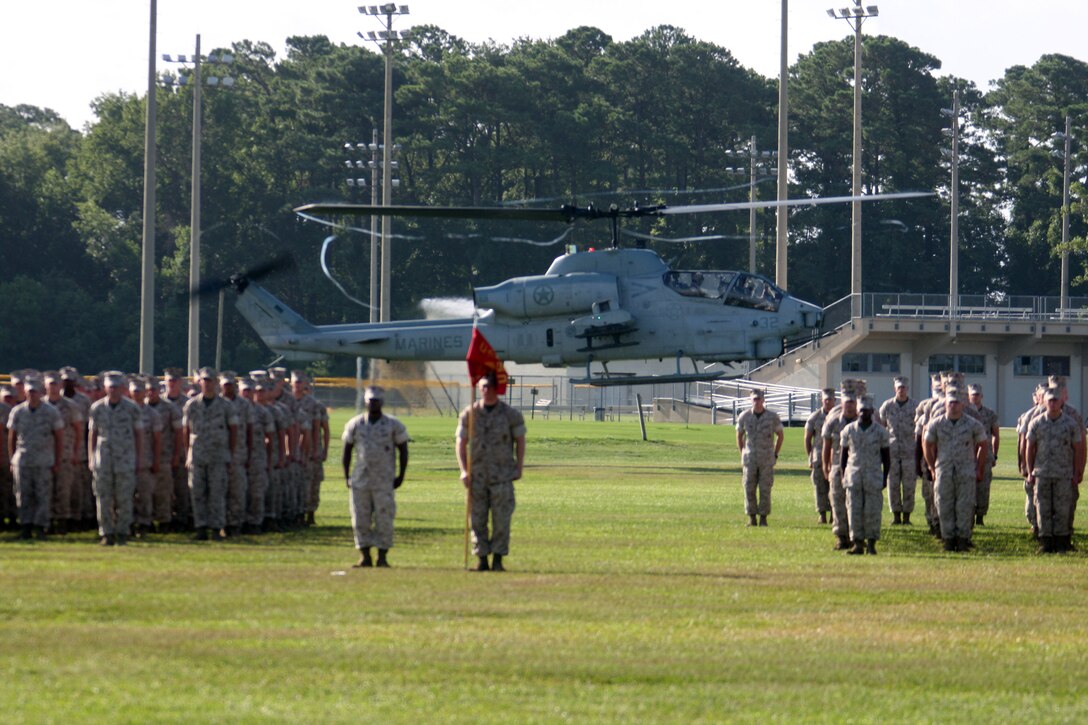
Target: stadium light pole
{"type": "Point", "coordinates": [854, 17]}
{"type": "Point", "coordinates": [193, 357]}
{"type": "Point", "coordinates": [389, 11]}
{"type": "Point", "coordinates": [1064, 299]}
{"type": "Point", "coordinates": [375, 164]}
{"type": "Point", "coordinates": [954, 241]}
{"type": "Point", "coordinates": [147, 267]}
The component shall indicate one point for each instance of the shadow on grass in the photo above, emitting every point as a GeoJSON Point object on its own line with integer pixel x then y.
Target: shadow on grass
{"type": "Point", "coordinates": [1005, 542]}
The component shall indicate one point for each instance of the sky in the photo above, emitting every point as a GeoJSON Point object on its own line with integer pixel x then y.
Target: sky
{"type": "Point", "coordinates": [63, 53]}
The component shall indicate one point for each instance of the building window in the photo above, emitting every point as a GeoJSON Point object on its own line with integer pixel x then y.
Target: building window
{"type": "Point", "coordinates": [966, 364]}
{"type": "Point", "coordinates": [870, 362]}
{"type": "Point", "coordinates": [1037, 366]}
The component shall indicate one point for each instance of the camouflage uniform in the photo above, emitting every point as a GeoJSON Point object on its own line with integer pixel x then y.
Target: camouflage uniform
{"type": "Point", "coordinates": [209, 422]}
{"type": "Point", "coordinates": [238, 480]}
{"type": "Point", "coordinates": [954, 487]}
{"type": "Point", "coordinates": [292, 473]}
{"type": "Point", "coordinates": [68, 478]}
{"type": "Point", "coordinates": [264, 435]}
{"type": "Point", "coordinates": [317, 461]}
{"type": "Point", "coordinates": [820, 485]}
{"type": "Point", "coordinates": [82, 504]}
{"type": "Point", "coordinates": [898, 418]}
{"type": "Point", "coordinates": [1055, 441]}
{"type": "Point", "coordinates": [162, 497]}
{"type": "Point", "coordinates": [832, 431]}
{"type": "Point", "coordinates": [143, 507]}
{"type": "Point", "coordinates": [114, 432]}
{"type": "Point", "coordinates": [9, 511]}
{"type": "Point", "coordinates": [921, 420]}
{"type": "Point", "coordinates": [492, 436]}
{"type": "Point", "coordinates": [35, 455]}
{"type": "Point", "coordinates": [989, 422]}
{"type": "Point", "coordinates": [373, 504]}
{"type": "Point", "coordinates": [864, 477]}
{"type": "Point", "coordinates": [309, 421]}
{"type": "Point", "coordinates": [1029, 488]}
{"type": "Point", "coordinates": [758, 458]}
{"type": "Point", "coordinates": [183, 500]}
{"type": "Point", "coordinates": [277, 475]}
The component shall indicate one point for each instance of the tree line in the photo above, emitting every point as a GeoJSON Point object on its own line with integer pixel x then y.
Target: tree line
{"type": "Point", "coordinates": [661, 118]}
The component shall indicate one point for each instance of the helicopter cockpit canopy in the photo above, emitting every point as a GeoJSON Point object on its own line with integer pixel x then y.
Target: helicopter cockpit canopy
{"type": "Point", "coordinates": [733, 288]}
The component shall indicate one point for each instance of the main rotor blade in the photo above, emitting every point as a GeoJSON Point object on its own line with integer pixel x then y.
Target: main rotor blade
{"type": "Point", "coordinates": [569, 213]}
{"type": "Point", "coordinates": [734, 206]}
{"type": "Point", "coordinates": [563, 214]}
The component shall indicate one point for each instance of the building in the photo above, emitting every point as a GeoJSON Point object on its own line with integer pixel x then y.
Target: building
{"type": "Point", "coordinates": [1007, 345]}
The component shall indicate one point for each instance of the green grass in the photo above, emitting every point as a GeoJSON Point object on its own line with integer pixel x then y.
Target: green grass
{"type": "Point", "coordinates": [635, 594]}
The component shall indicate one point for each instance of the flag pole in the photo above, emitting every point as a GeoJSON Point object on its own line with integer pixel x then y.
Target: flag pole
{"type": "Point", "coordinates": [468, 467]}
{"type": "Point", "coordinates": [482, 359]}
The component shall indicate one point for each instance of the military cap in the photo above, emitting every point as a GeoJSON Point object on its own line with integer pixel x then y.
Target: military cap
{"type": "Point", "coordinates": [278, 373]}
{"type": "Point", "coordinates": [955, 395]}
{"type": "Point", "coordinates": [756, 394]}
{"type": "Point", "coordinates": [207, 373]}
{"type": "Point", "coordinates": [51, 376]}
{"type": "Point", "coordinates": [261, 384]}
{"type": "Point", "coordinates": [952, 377]}
{"type": "Point", "coordinates": [1053, 393]}
{"type": "Point", "coordinates": [1041, 388]}
{"type": "Point", "coordinates": [374, 392]}
{"type": "Point", "coordinates": [6, 390]}
{"type": "Point", "coordinates": [113, 379]}
{"type": "Point", "coordinates": [136, 384]}
{"type": "Point", "coordinates": [34, 384]}
{"type": "Point", "coordinates": [258, 374]}
{"type": "Point", "coordinates": [18, 376]}
{"type": "Point", "coordinates": [901, 382]}
{"type": "Point", "coordinates": [228, 377]}
{"type": "Point", "coordinates": [246, 384]}
{"type": "Point", "coordinates": [867, 402]}
{"type": "Point", "coordinates": [151, 381]}
{"type": "Point", "coordinates": [827, 393]}
{"type": "Point", "coordinates": [299, 376]}
{"type": "Point", "coordinates": [173, 374]}
{"type": "Point", "coordinates": [974, 389]}
{"type": "Point", "coordinates": [1055, 381]}
{"type": "Point", "coordinates": [70, 373]}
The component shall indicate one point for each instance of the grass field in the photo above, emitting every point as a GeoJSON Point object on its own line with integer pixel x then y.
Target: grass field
{"type": "Point", "coordinates": [635, 594]}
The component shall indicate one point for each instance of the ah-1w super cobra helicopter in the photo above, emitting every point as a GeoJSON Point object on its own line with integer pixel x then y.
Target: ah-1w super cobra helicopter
{"type": "Point", "coordinates": [594, 306]}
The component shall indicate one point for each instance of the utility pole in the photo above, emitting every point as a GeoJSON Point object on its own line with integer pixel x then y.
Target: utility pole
{"type": "Point", "coordinates": [147, 275]}
{"type": "Point", "coordinates": [194, 224]}
{"type": "Point", "coordinates": [781, 271]}
{"type": "Point", "coordinates": [757, 163]}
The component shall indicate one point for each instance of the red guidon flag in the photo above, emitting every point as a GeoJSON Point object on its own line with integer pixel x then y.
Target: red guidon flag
{"type": "Point", "coordinates": [482, 359]}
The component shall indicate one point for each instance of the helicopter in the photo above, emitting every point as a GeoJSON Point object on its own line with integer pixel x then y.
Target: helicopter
{"type": "Point", "coordinates": [597, 306]}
